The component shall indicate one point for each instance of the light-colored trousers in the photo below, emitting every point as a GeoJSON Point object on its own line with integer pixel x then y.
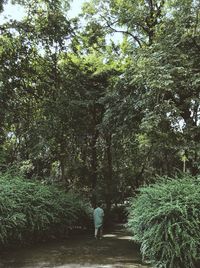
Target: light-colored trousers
{"type": "Point", "coordinates": [98, 231]}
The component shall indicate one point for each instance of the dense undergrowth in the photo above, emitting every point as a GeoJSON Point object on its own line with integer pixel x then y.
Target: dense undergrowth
{"type": "Point", "coordinates": [165, 220]}
{"type": "Point", "coordinates": [32, 211]}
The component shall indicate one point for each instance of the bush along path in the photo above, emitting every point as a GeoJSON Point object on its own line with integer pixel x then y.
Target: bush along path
{"type": "Point", "coordinates": [31, 211]}
{"type": "Point", "coordinates": [115, 250]}
{"type": "Point", "coordinates": [165, 220]}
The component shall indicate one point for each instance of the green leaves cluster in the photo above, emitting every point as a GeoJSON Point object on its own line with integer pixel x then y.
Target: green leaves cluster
{"type": "Point", "coordinates": [164, 219]}
{"type": "Point", "coordinates": [31, 210]}
{"type": "Point", "coordinates": [95, 113]}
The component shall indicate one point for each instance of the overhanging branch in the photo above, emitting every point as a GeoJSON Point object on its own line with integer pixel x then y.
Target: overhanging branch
{"type": "Point", "coordinates": [125, 32]}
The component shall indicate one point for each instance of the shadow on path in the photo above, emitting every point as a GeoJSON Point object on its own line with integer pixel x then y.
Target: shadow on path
{"type": "Point", "coordinates": [115, 250]}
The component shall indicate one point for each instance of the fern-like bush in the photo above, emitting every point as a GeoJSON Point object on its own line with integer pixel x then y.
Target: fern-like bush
{"type": "Point", "coordinates": [30, 209]}
{"type": "Point", "coordinates": [165, 219]}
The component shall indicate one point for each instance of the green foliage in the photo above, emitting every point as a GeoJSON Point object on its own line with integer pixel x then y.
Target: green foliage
{"type": "Point", "coordinates": [165, 218]}
{"type": "Point", "coordinates": [105, 105]}
{"type": "Point", "coordinates": [30, 209]}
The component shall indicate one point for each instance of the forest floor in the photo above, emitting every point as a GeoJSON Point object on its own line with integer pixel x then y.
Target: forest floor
{"type": "Point", "coordinates": [115, 250]}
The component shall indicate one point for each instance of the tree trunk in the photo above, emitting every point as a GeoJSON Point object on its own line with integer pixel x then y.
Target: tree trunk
{"type": "Point", "coordinates": [94, 155]}
{"type": "Point", "coordinates": [109, 172]}
{"type": "Point", "coordinates": [94, 167]}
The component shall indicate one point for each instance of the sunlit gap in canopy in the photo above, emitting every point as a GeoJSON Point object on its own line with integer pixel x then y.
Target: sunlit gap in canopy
{"type": "Point", "coordinates": [12, 12]}
{"type": "Point", "coordinates": [17, 12]}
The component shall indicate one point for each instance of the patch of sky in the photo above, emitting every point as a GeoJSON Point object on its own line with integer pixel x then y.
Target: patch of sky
{"type": "Point", "coordinates": [75, 8]}
{"type": "Point", "coordinates": [17, 12]}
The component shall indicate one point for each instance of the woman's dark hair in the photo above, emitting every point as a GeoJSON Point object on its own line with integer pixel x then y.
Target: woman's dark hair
{"type": "Point", "coordinates": [99, 204]}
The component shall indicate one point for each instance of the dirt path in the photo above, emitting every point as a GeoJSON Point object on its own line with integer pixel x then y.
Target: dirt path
{"type": "Point", "coordinates": [115, 250]}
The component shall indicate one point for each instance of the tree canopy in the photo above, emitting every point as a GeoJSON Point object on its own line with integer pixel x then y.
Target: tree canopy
{"type": "Point", "coordinates": [83, 110]}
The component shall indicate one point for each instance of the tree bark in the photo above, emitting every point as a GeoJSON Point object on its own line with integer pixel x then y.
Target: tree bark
{"type": "Point", "coordinates": [109, 171]}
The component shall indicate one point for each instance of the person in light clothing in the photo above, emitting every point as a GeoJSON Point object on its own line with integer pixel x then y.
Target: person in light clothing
{"type": "Point", "coordinates": [98, 221]}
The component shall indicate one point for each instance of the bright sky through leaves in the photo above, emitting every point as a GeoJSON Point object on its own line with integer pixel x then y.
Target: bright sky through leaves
{"type": "Point", "coordinates": [17, 11]}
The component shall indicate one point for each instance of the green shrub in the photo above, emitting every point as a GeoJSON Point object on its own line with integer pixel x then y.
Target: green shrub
{"type": "Point", "coordinates": [165, 220]}
{"type": "Point", "coordinates": [30, 209]}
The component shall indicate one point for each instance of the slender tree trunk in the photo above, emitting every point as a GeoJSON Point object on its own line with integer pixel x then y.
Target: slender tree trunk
{"type": "Point", "coordinates": [109, 172]}
{"type": "Point", "coordinates": [94, 163]}
{"type": "Point", "coordinates": [62, 169]}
